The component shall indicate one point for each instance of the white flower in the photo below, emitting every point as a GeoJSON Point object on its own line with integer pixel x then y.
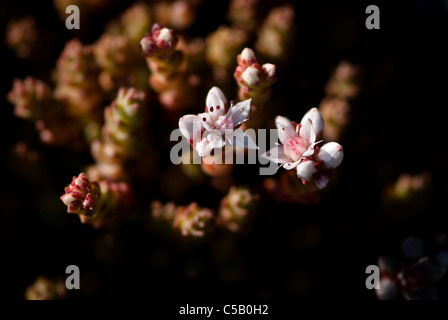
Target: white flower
{"type": "Point", "coordinates": [298, 149]}
{"type": "Point", "coordinates": [298, 140]}
{"type": "Point", "coordinates": [216, 127]}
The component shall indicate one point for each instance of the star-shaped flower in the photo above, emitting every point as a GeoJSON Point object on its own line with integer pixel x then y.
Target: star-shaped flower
{"type": "Point", "coordinates": [217, 126]}
{"type": "Point", "coordinates": [299, 149]}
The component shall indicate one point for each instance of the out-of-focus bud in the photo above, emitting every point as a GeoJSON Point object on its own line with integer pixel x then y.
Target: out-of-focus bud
{"type": "Point", "coordinates": [336, 113]}
{"type": "Point", "coordinates": [120, 61]}
{"type": "Point", "coordinates": [276, 35]}
{"type": "Point", "coordinates": [21, 36]}
{"type": "Point", "coordinates": [244, 14]}
{"type": "Point", "coordinates": [123, 150]}
{"type": "Point", "coordinates": [76, 79]}
{"type": "Point", "coordinates": [193, 221]}
{"type": "Point", "coordinates": [30, 97]}
{"type": "Point", "coordinates": [133, 23]}
{"type": "Point", "coordinates": [45, 289]}
{"type": "Point", "coordinates": [190, 221]}
{"type": "Point", "coordinates": [236, 208]}
{"type": "Point", "coordinates": [179, 14]}
{"type": "Point", "coordinates": [222, 49]}
{"type": "Point", "coordinates": [33, 100]}
{"type": "Point", "coordinates": [408, 194]}
{"type": "Point", "coordinates": [345, 82]}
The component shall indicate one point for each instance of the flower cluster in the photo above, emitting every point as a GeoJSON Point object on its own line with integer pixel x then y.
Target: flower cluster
{"type": "Point", "coordinates": [300, 151]}
{"type": "Point", "coordinates": [33, 100]}
{"type": "Point", "coordinates": [341, 91]}
{"type": "Point", "coordinates": [189, 221]}
{"type": "Point", "coordinates": [98, 203]}
{"type": "Point", "coordinates": [276, 35]}
{"type": "Point", "coordinates": [123, 139]}
{"type": "Point", "coordinates": [44, 288]}
{"type": "Point", "coordinates": [235, 208]}
{"type": "Point", "coordinates": [169, 77]}
{"type": "Point", "coordinates": [223, 46]}
{"type": "Point", "coordinates": [413, 277]}
{"type": "Point", "coordinates": [254, 80]}
{"type": "Point", "coordinates": [76, 78]}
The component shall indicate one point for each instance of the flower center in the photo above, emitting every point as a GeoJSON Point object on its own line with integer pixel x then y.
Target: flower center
{"type": "Point", "coordinates": [224, 123]}
{"type": "Point", "coordinates": [295, 147]}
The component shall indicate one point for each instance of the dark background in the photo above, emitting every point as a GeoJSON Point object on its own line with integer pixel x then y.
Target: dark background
{"type": "Point", "coordinates": [294, 251]}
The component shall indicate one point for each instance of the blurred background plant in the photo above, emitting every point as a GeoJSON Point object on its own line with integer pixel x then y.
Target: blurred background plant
{"type": "Point", "coordinates": [100, 103]}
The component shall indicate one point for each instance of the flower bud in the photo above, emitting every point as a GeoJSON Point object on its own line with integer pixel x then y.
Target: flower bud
{"type": "Point", "coordinates": [236, 207]}
{"type": "Point", "coordinates": [81, 196]}
{"type": "Point", "coordinates": [270, 70]}
{"type": "Point", "coordinates": [247, 57]}
{"type": "Point", "coordinates": [331, 154]}
{"type": "Point", "coordinates": [305, 170]}
{"type": "Point", "coordinates": [251, 77]}
{"type": "Point", "coordinates": [193, 221]}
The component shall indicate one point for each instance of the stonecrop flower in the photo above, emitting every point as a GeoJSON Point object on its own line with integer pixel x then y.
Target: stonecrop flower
{"type": "Point", "coordinates": [81, 196]}
{"type": "Point", "coordinates": [300, 151]}
{"type": "Point", "coordinates": [216, 126]}
{"type": "Point", "coordinates": [159, 42]}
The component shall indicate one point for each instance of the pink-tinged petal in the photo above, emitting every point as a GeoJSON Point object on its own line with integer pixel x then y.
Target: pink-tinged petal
{"type": "Point", "coordinates": [331, 154]}
{"type": "Point", "coordinates": [242, 140]}
{"type": "Point", "coordinates": [239, 112]}
{"type": "Point", "coordinates": [247, 57]}
{"type": "Point", "coordinates": [310, 151]}
{"type": "Point", "coordinates": [291, 165]}
{"type": "Point", "coordinates": [206, 121]}
{"type": "Point", "coordinates": [322, 181]}
{"type": "Point", "coordinates": [216, 103]}
{"type": "Point", "coordinates": [215, 139]}
{"type": "Point", "coordinates": [251, 76]}
{"type": "Point", "coordinates": [190, 127]}
{"type": "Point", "coordinates": [164, 36]}
{"type": "Point", "coordinates": [203, 148]}
{"type": "Point", "coordinates": [316, 118]}
{"type": "Point", "coordinates": [270, 70]}
{"type": "Point", "coordinates": [276, 155]}
{"type": "Point", "coordinates": [285, 129]}
{"type": "Point", "coordinates": [305, 170]}
{"type": "Point", "coordinates": [306, 131]}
